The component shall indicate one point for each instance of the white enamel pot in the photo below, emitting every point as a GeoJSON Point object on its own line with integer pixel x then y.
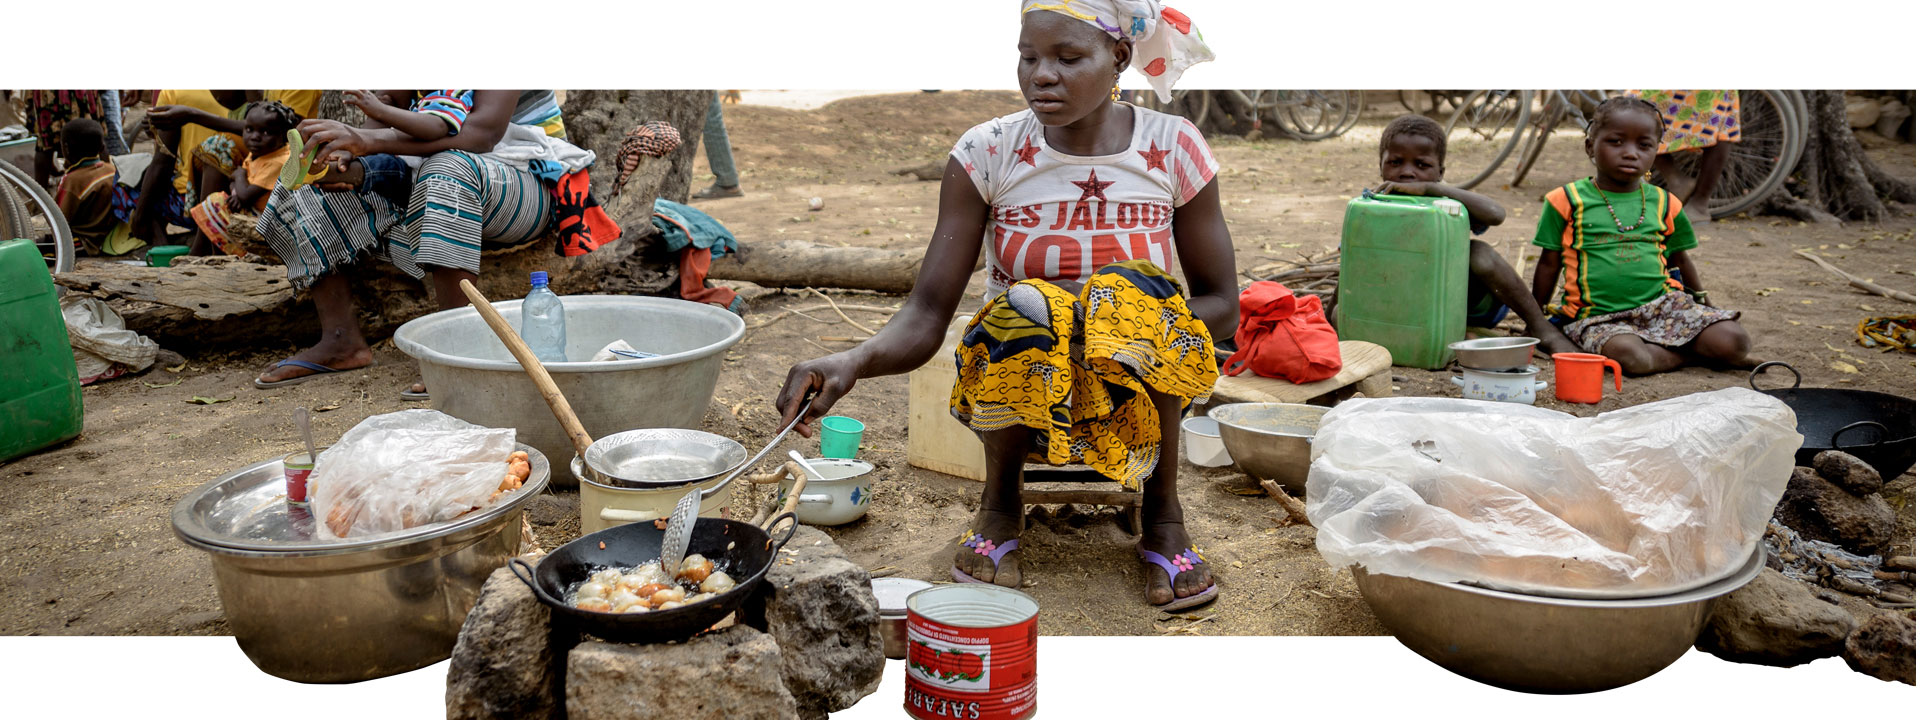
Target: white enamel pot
{"type": "Point", "coordinates": [840, 498]}
{"type": "Point", "coordinates": [1517, 386]}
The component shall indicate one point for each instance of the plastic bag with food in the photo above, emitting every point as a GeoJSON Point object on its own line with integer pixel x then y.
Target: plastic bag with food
{"type": "Point", "coordinates": [406, 469]}
{"type": "Point", "coordinates": [1643, 500]}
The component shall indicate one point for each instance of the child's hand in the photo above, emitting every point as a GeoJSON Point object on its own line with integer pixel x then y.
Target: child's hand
{"type": "Point", "coordinates": [360, 99]}
{"type": "Point", "coordinates": [234, 204]}
{"type": "Point", "coordinates": [1399, 188]}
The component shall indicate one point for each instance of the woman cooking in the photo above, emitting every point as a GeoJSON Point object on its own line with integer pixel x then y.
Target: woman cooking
{"type": "Point", "coordinates": [1086, 350]}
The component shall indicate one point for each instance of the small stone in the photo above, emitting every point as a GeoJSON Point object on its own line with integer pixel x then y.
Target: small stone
{"type": "Point", "coordinates": [504, 662]}
{"type": "Point", "coordinates": [1862, 112]}
{"type": "Point", "coordinates": [1893, 114]}
{"type": "Point", "coordinates": [1774, 620]}
{"type": "Point", "coordinates": [1849, 472]}
{"type": "Point", "coordinates": [731, 674]}
{"type": "Point", "coordinates": [1883, 648]}
{"type": "Point", "coordinates": [1821, 510]}
{"type": "Point", "coordinates": [822, 612]}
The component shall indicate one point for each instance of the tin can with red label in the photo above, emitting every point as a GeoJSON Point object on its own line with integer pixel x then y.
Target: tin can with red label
{"type": "Point", "coordinates": [971, 653]}
{"type": "Point", "coordinates": [297, 466]}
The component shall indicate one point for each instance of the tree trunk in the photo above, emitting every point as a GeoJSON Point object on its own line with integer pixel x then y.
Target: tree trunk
{"type": "Point", "coordinates": [1835, 179]}
{"type": "Point", "coordinates": [333, 107]}
{"type": "Point", "coordinates": [796, 264]}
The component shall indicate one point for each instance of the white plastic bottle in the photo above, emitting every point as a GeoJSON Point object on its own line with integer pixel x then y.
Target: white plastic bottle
{"type": "Point", "coordinates": [543, 322]}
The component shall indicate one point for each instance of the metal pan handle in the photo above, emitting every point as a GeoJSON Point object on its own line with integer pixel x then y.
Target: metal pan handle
{"type": "Point", "coordinates": [1755, 375]}
{"type": "Point", "coordinates": [516, 565]}
{"type": "Point", "coordinates": [806, 405]}
{"type": "Point", "coordinates": [792, 528]}
{"type": "Point", "coordinates": [1878, 440]}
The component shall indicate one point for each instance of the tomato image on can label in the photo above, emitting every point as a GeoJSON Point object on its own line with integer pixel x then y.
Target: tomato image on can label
{"type": "Point", "coordinates": [954, 667]}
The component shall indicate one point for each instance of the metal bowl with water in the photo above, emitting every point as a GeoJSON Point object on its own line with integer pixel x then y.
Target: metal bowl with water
{"type": "Point", "coordinates": [1539, 644]}
{"type": "Point", "coordinates": [1270, 441]}
{"type": "Point", "coordinates": [1499, 354]}
{"type": "Point", "coordinates": [661, 457]}
{"type": "Point", "coordinates": [330, 611]}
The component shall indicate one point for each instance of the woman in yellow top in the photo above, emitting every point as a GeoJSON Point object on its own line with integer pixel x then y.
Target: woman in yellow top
{"type": "Point", "coordinates": [197, 133]}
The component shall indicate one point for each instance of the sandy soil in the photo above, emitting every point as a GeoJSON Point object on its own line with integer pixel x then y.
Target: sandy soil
{"type": "Point", "coordinates": [90, 550]}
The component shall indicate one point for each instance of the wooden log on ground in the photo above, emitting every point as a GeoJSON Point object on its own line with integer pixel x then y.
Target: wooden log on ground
{"type": "Point", "coordinates": [797, 264]}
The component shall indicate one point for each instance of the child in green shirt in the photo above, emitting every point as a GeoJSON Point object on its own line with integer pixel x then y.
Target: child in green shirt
{"type": "Point", "coordinates": [1617, 249]}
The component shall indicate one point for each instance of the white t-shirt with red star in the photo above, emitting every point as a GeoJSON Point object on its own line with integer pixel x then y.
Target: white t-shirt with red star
{"type": "Point", "coordinates": [1060, 217]}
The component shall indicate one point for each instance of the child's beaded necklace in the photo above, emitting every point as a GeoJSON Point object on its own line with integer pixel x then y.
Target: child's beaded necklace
{"type": "Point", "coordinates": [1616, 216]}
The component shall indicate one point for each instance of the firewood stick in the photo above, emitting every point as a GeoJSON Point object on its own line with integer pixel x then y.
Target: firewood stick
{"type": "Point", "coordinates": [1296, 510]}
{"type": "Point", "coordinates": [1854, 281]}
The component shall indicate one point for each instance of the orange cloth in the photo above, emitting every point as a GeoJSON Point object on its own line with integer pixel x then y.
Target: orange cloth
{"type": "Point", "coordinates": [264, 171]}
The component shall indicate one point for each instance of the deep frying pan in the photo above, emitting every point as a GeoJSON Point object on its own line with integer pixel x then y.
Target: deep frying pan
{"type": "Point", "coordinates": [1878, 428]}
{"type": "Point", "coordinates": [737, 547]}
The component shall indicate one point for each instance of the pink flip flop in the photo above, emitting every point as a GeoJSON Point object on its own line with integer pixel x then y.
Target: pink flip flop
{"type": "Point", "coordinates": [1187, 559]}
{"type": "Point", "coordinates": [981, 545]}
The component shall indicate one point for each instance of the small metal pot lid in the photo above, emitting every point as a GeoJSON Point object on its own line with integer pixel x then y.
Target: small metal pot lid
{"type": "Point", "coordinates": [661, 457]}
{"type": "Point", "coordinates": [246, 511]}
{"type": "Point", "coordinates": [892, 594]}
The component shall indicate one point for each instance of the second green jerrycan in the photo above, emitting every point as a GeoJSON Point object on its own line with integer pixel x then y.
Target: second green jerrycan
{"type": "Point", "coordinates": [39, 387]}
{"type": "Point", "coordinates": [1403, 276]}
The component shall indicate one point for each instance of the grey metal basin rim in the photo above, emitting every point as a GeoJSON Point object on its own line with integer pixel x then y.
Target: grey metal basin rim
{"type": "Point", "coordinates": [1716, 587]}
{"type": "Point", "coordinates": [424, 353]}
{"type": "Point", "coordinates": [185, 525]}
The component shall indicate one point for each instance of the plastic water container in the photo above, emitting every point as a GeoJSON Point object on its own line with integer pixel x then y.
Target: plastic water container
{"type": "Point", "coordinates": [1403, 276]}
{"type": "Point", "coordinates": [40, 388]}
{"type": "Point", "coordinates": [543, 322]}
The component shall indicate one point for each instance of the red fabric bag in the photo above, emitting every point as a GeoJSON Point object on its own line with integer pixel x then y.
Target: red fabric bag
{"type": "Point", "coordinates": [1283, 336]}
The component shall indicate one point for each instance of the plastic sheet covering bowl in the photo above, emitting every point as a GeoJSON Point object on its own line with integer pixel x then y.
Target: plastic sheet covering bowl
{"type": "Point", "coordinates": [1545, 645]}
{"type": "Point", "coordinates": [471, 375]}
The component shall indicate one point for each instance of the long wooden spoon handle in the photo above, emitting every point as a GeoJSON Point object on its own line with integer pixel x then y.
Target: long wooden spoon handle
{"type": "Point", "coordinates": [557, 402]}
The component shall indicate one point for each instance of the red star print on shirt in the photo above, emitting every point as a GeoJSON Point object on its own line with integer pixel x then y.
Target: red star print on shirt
{"type": "Point", "coordinates": [1156, 158]}
{"type": "Point", "coordinates": [969, 168]}
{"type": "Point", "coordinates": [1027, 151]}
{"type": "Point", "coordinates": [993, 150]}
{"type": "Point", "coordinates": [1092, 187]}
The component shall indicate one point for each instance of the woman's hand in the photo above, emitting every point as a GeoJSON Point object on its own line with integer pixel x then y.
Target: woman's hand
{"type": "Point", "coordinates": [172, 116]}
{"type": "Point", "coordinates": [827, 379]}
{"type": "Point", "coordinates": [335, 139]}
{"type": "Point", "coordinates": [360, 98]}
{"type": "Point", "coordinates": [1399, 188]}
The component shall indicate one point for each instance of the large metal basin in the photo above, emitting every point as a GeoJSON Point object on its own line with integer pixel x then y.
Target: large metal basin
{"type": "Point", "coordinates": [321, 611]}
{"type": "Point", "coordinates": [472, 376]}
{"type": "Point", "coordinates": [1270, 441]}
{"type": "Point", "coordinates": [1541, 644]}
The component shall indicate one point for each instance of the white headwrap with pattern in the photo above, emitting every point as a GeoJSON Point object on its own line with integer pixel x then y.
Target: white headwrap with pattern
{"type": "Point", "coordinates": [1165, 42]}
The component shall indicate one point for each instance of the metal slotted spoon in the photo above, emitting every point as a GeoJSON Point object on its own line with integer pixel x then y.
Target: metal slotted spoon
{"type": "Point", "coordinates": [673, 546]}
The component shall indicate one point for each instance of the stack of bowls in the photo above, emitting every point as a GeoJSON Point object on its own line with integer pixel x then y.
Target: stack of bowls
{"type": "Point", "coordinates": [1497, 369]}
{"type": "Point", "coordinates": [639, 475]}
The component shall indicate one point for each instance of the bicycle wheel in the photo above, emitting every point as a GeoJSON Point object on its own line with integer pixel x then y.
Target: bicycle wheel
{"type": "Point", "coordinates": [1799, 103]}
{"type": "Point", "coordinates": [1556, 111]}
{"type": "Point", "coordinates": [45, 226]}
{"type": "Point", "coordinates": [1319, 114]}
{"type": "Point", "coordinates": [13, 214]}
{"type": "Point", "coordinates": [1757, 165]}
{"type": "Point", "coordinates": [1484, 131]}
{"type": "Point", "coordinates": [1356, 100]}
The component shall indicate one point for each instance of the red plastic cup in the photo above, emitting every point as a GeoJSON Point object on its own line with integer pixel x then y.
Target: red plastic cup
{"type": "Point", "coordinates": [1580, 377]}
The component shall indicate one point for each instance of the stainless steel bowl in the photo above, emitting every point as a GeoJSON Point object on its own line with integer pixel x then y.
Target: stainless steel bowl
{"type": "Point", "coordinates": [1270, 441]}
{"type": "Point", "coordinates": [1541, 644]}
{"type": "Point", "coordinates": [1495, 354]}
{"type": "Point", "coordinates": [661, 457]}
{"type": "Point", "coordinates": [892, 595]}
{"type": "Point", "coordinates": [322, 611]}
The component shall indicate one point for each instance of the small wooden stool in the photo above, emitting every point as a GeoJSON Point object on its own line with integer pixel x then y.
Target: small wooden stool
{"type": "Point", "coordinates": [1365, 368]}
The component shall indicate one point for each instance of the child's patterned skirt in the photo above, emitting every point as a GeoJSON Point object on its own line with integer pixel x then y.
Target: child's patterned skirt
{"type": "Point", "coordinates": [1077, 370]}
{"type": "Point", "coordinates": [1673, 320]}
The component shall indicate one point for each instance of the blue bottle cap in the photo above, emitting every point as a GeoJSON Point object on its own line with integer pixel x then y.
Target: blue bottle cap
{"type": "Point", "coordinates": [539, 278]}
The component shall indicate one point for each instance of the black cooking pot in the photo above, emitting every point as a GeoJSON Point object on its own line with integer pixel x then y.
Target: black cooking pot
{"type": "Point", "coordinates": [1882, 423]}
{"type": "Point", "coordinates": [736, 547]}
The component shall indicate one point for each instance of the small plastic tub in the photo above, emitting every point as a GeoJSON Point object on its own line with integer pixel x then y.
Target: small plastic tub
{"type": "Point", "coordinates": [1200, 443]}
{"type": "Point", "coordinates": [164, 255]}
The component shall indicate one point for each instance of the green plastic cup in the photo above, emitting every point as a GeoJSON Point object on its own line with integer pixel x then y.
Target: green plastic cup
{"type": "Point", "coordinates": [840, 437]}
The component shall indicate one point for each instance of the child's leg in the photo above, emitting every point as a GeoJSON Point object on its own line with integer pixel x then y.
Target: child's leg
{"type": "Point", "coordinates": [1493, 271]}
{"type": "Point", "coordinates": [1639, 357]}
{"type": "Point", "coordinates": [1711, 161]}
{"type": "Point", "coordinates": [1163, 523]}
{"type": "Point", "coordinates": [1724, 342]}
{"type": "Point", "coordinates": [1002, 514]}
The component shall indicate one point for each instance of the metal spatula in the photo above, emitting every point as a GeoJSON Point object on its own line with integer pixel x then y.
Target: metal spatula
{"type": "Point", "coordinates": [673, 547]}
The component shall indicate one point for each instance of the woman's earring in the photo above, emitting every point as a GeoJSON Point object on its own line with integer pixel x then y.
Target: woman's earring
{"type": "Point", "coordinates": [1116, 87]}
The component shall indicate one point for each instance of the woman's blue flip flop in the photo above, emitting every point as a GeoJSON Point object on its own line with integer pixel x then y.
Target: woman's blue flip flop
{"type": "Point", "coordinates": [983, 546]}
{"type": "Point", "coordinates": [317, 369]}
{"type": "Point", "coordinates": [1185, 560]}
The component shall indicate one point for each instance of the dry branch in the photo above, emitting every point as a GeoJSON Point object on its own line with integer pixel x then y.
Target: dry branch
{"type": "Point", "coordinates": [1854, 281]}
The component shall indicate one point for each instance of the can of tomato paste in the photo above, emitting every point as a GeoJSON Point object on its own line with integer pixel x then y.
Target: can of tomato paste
{"type": "Point", "coordinates": [971, 653]}
{"type": "Point", "coordinates": [297, 467]}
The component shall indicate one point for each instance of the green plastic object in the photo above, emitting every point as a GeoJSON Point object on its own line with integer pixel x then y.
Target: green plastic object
{"type": "Point", "coordinates": [1403, 276]}
{"type": "Point", "coordinates": [840, 437]}
{"type": "Point", "coordinates": [40, 387]}
{"type": "Point", "coordinates": [164, 255]}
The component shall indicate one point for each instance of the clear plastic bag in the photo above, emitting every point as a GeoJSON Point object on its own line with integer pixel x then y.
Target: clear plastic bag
{"type": "Point", "coordinates": [402, 470]}
{"type": "Point", "coordinates": [1645, 500]}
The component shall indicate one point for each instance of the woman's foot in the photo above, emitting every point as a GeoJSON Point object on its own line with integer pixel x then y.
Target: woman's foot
{"type": "Point", "coordinates": [1697, 212]}
{"type": "Point", "coordinates": [1192, 576]}
{"type": "Point", "coordinates": [989, 551]}
{"type": "Point", "coordinates": [338, 356]}
{"type": "Point", "coordinates": [717, 190]}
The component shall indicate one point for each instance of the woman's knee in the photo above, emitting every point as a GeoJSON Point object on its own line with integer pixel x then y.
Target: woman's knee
{"type": "Point", "coordinates": [1724, 340]}
{"type": "Point", "coordinates": [1632, 353]}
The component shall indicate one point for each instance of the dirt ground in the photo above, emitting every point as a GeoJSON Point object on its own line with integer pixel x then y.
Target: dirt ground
{"type": "Point", "coordinates": [90, 550]}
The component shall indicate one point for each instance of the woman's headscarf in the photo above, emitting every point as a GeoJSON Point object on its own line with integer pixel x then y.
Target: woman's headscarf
{"type": "Point", "coordinates": [1165, 42]}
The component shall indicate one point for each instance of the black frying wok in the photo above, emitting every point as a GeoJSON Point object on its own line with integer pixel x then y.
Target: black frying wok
{"type": "Point", "coordinates": [737, 547]}
{"type": "Point", "coordinates": [1876, 427]}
